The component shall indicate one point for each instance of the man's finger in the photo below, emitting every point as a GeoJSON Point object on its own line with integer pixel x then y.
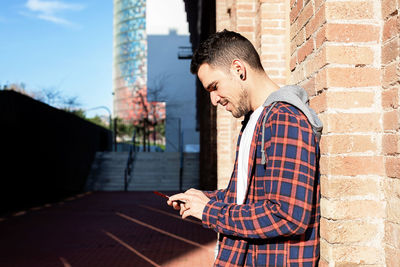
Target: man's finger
{"type": "Point", "coordinates": [179, 197]}
{"type": "Point", "coordinates": [186, 214]}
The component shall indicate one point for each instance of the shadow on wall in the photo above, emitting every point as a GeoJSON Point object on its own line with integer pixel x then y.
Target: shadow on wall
{"type": "Point", "coordinates": [45, 152]}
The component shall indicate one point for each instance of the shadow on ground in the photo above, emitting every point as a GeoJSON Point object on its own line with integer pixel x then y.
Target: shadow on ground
{"type": "Point", "coordinates": [105, 229]}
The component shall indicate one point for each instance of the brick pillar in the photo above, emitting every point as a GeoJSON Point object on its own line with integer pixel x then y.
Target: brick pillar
{"type": "Point", "coordinates": [264, 24]}
{"type": "Point", "coordinates": [391, 136]}
{"type": "Point", "coordinates": [347, 62]}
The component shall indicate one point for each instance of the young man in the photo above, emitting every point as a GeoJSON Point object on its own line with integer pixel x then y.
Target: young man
{"type": "Point", "coordinates": [269, 213]}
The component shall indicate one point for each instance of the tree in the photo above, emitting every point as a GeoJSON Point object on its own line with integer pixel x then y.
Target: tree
{"type": "Point", "coordinates": [148, 115]}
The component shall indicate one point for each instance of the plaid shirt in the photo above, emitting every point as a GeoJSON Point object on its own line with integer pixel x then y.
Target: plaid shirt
{"type": "Point", "coordinates": [278, 224]}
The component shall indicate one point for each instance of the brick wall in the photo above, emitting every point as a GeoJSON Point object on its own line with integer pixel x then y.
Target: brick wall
{"type": "Point", "coordinates": [347, 61]}
{"type": "Point", "coordinates": [264, 23]}
{"type": "Point", "coordinates": [391, 135]}
{"type": "Point", "coordinates": [345, 53]}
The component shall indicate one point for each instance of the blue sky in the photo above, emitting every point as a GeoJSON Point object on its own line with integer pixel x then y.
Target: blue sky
{"type": "Point", "coordinates": [67, 44]}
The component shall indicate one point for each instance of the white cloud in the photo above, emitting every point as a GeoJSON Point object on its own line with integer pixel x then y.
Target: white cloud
{"type": "Point", "coordinates": [50, 10]}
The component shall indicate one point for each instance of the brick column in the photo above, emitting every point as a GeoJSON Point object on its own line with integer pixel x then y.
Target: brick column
{"type": "Point", "coordinates": [391, 137]}
{"type": "Point", "coordinates": [264, 24]}
{"type": "Point", "coordinates": [347, 62]}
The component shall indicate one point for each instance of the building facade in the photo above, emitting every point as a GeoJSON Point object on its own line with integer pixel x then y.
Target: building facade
{"type": "Point", "coordinates": [130, 64]}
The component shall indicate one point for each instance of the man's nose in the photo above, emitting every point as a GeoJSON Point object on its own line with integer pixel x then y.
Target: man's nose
{"type": "Point", "coordinates": [214, 98]}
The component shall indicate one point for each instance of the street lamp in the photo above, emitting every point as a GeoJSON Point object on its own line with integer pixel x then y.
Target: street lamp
{"type": "Point", "coordinates": [109, 113]}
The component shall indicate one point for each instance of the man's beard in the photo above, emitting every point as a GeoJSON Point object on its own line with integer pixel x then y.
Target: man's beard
{"type": "Point", "coordinates": [243, 106]}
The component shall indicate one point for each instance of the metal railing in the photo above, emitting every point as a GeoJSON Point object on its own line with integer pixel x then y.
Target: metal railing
{"type": "Point", "coordinates": [129, 162]}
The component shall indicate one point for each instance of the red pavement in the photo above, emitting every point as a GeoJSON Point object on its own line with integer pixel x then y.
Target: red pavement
{"type": "Point", "coordinates": [105, 229]}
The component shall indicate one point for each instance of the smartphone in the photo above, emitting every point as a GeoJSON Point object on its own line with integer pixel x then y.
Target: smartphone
{"type": "Point", "coordinates": [166, 197]}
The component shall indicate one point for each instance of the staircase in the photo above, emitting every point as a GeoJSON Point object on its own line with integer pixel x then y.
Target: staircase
{"type": "Point", "coordinates": [107, 172]}
{"type": "Point", "coordinates": [151, 171]}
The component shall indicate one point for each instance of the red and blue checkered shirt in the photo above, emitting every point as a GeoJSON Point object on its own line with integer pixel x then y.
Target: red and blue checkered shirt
{"type": "Point", "coordinates": [278, 224]}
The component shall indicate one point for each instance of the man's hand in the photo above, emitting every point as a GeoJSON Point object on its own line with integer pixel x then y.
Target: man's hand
{"type": "Point", "coordinates": [195, 201]}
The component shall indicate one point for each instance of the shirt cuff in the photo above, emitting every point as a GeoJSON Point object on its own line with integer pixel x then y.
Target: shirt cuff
{"type": "Point", "coordinates": [210, 213]}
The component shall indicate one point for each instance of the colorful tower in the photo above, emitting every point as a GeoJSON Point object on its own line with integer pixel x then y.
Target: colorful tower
{"type": "Point", "coordinates": [130, 56]}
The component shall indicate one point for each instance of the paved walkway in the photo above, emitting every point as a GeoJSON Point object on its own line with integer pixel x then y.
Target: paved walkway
{"type": "Point", "coordinates": [105, 229]}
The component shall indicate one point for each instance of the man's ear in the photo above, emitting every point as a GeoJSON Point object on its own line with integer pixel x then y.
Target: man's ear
{"type": "Point", "coordinates": [239, 69]}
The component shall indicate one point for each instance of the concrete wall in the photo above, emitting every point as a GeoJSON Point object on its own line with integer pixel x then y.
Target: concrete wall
{"type": "Point", "coordinates": [45, 153]}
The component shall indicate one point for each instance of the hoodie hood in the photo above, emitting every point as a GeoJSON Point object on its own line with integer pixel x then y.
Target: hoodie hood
{"type": "Point", "coordinates": [298, 97]}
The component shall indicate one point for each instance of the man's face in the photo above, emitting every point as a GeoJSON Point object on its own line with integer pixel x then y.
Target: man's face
{"type": "Point", "coordinates": [225, 89]}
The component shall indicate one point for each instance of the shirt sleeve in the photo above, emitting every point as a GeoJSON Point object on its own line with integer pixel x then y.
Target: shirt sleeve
{"type": "Point", "coordinates": [289, 175]}
{"type": "Point", "coordinates": [217, 195]}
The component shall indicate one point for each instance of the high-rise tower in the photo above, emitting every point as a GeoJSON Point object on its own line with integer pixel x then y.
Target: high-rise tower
{"type": "Point", "coordinates": [130, 56]}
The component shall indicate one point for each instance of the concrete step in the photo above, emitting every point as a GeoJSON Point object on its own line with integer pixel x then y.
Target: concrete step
{"type": "Point", "coordinates": [151, 171]}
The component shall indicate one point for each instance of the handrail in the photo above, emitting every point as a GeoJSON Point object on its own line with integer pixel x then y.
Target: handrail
{"type": "Point", "coordinates": [129, 162]}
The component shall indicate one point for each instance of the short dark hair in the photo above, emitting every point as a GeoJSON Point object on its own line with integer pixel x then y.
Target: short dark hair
{"type": "Point", "coordinates": [221, 48]}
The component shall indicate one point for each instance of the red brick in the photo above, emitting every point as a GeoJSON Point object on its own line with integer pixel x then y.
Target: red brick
{"type": "Point", "coordinates": [392, 208]}
{"type": "Point", "coordinates": [298, 74]}
{"type": "Point", "coordinates": [305, 14]}
{"type": "Point", "coordinates": [390, 75]}
{"type": "Point", "coordinates": [349, 55]}
{"type": "Point", "coordinates": [269, 57]}
{"type": "Point", "coordinates": [309, 86]}
{"type": "Point", "coordinates": [349, 10]}
{"type": "Point", "coordinates": [392, 166]}
{"type": "Point", "coordinates": [321, 36]}
{"type": "Point", "coordinates": [340, 144]}
{"type": "Point", "coordinates": [352, 33]}
{"type": "Point", "coordinates": [320, 80]}
{"type": "Point", "coordinates": [273, 24]}
{"type": "Point", "coordinates": [295, 10]}
{"type": "Point", "coordinates": [350, 99]}
{"type": "Point", "coordinates": [388, 7]}
{"type": "Point", "coordinates": [305, 50]}
{"type": "Point", "coordinates": [353, 77]}
{"type": "Point", "coordinates": [390, 28]}
{"type": "Point", "coordinates": [318, 3]}
{"type": "Point", "coordinates": [277, 32]}
{"type": "Point", "coordinates": [353, 165]}
{"type": "Point", "coordinates": [353, 122]}
{"type": "Point", "coordinates": [390, 144]}
{"type": "Point", "coordinates": [391, 120]}
{"type": "Point", "coordinates": [267, 13]}
{"type": "Point", "coordinates": [316, 21]}
{"type": "Point", "coordinates": [315, 63]}
{"type": "Point", "coordinates": [392, 233]}
{"type": "Point", "coordinates": [358, 255]}
{"type": "Point", "coordinates": [300, 38]}
{"type": "Point", "coordinates": [245, 28]}
{"type": "Point", "coordinates": [245, 21]}
{"type": "Point", "coordinates": [318, 103]}
{"type": "Point", "coordinates": [390, 51]}
{"type": "Point", "coordinates": [351, 209]}
{"type": "Point", "coordinates": [294, 29]}
{"type": "Point", "coordinates": [323, 263]}
{"type": "Point", "coordinates": [245, 6]}
{"type": "Point", "coordinates": [349, 231]}
{"type": "Point", "coordinates": [392, 256]}
{"type": "Point", "coordinates": [390, 98]}
{"type": "Point", "coordinates": [276, 64]}
{"type": "Point", "coordinates": [349, 187]}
